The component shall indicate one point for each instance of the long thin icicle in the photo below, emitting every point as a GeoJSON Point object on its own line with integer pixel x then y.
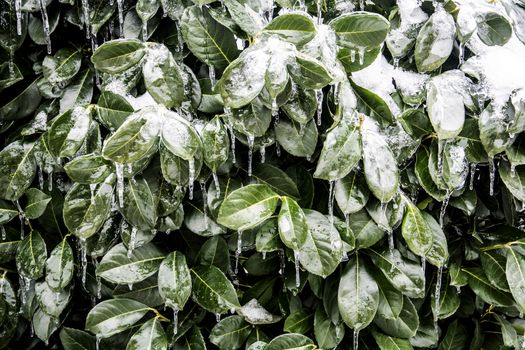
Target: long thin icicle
{"type": "Point", "coordinates": [120, 7]}
{"type": "Point", "coordinates": [45, 24]}
{"type": "Point", "coordinates": [18, 13]}
{"type": "Point", "coordinates": [85, 13]}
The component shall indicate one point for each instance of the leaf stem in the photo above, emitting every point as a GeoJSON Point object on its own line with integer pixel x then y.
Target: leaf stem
{"type": "Point", "coordinates": [161, 317]}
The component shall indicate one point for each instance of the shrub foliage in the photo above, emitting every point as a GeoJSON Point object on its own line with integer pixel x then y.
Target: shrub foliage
{"type": "Point", "coordinates": [244, 174]}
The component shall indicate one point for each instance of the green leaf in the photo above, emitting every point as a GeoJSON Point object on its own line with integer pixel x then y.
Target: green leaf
{"type": "Point", "coordinates": [191, 341]}
{"type": "Point", "coordinates": [22, 104]}
{"type": "Point", "coordinates": [114, 316]}
{"type": "Point", "coordinates": [424, 177]}
{"type": "Point", "coordinates": [9, 245]}
{"type": "Point", "coordinates": [322, 250]}
{"type": "Point", "coordinates": [390, 299]}
{"type": "Point", "coordinates": [292, 27]}
{"type": "Point", "coordinates": [388, 343]}
{"type": "Point", "coordinates": [247, 207]}
{"type": "Point", "coordinates": [206, 38]}
{"type": "Point", "coordinates": [358, 295]}
{"type": "Point", "coordinates": [290, 341]}
{"type": "Point", "coordinates": [7, 212]}
{"type": "Point", "coordinates": [174, 280]}
{"type": "Point", "coordinates": [61, 67]}
{"type": "Point", "coordinates": [360, 29]}
{"type": "Point", "coordinates": [88, 169]}
{"type": "Point", "coordinates": [215, 143]}
{"type": "Point", "coordinates": [79, 92]}
{"type": "Point", "coordinates": [150, 336]}
{"type": "Point", "coordinates": [299, 321]}
{"type": "Point", "coordinates": [75, 339]}
{"type": "Point", "coordinates": [17, 169]}
{"type": "Point", "coordinates": [179, 137]}
{"type": "Point", "coordinates": [44, 325]}
{"type": "Point", "coordinates": [477, 280]}
{"type": "Point", "coordinates": [364, 230]}
{"type": "Point", "coordinates": [112, 110]}
{"type": "Point", "coordinates": [493, 29]}
{"type": "Point", "coordinates": [310, 73]}
{"type": "Point", "coordinates": [134, 138]}
{"type": "Point", "coordinates": [373, 105]}
{"type": "Point", "coordinates": [435, 41]}
{"type": "Point", "coordinates": [116, 56]}
{"type": "Point", "coordinates": [36, 203]}
{"type": "Point", "coordinates": [514, 179]}
{"type": "Point", "coordinates": [494, 266]}
{"type": "Point", "coordinates": [85, 211]}
{"type": "Point", "coordinates": [212, 290]}
{"type": "Point", "coordinates": [60, 266]}
{"type": "Point", "coordinates": [50, 301]}
{"type": "Point", "coordinates": [31, 255]}
{"type": "Point", "coordinates": [516, 275]}
{"type": "Point", "coordinates": [405, 275]}
{"type": "Point", "coordinates": [438, 253]}
{"type": "Point", "coordinates": [351, 61]}
{"type": "Point", "coordinates": [68, 131]}
{"type": "Point", "coordinates": [449, 302]}
{"type": "Point", "coordinates": [351, 193]}
{"type": "Point", "coordinates": [380, 166]}
{"type": "Point", "coordinates": [327, 334]}
{"type": "Point", "coordinates": [117, 267]}
{"type": "Point", "coordinates": [455, 338]}
{"type": "Point", "coordinates": [416, 123]}
{"type": "Point", "coordinates": [139, 207]}
{"type": "Point", "coordinates": [276, 179]}
{"type": "Point", "coordinates": [293, 228]}
{"type": "Point", "coordinates": [341, 151]}
{"type": "Point", "coordinates": [403, 326]}
{"type": "Point", "coordinates": [416, 230]}
{"type": "Point", "coordinates": [299, 140]}
{"type": "Point", "coordinates": [163, 77]}
{"type": "Point", "coordinates": [230, 333]}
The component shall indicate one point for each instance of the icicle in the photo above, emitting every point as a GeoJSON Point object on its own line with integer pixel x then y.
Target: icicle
{"type": "Point", "coordinates": [337, 87]}
{"type": "Point", "coordinates": [331, 204]}
{"type": "Point", "coordinates": [175, 321]}
{"type": "Point", "coordinates": [145, 31]}
{"type": "Point", "coordinates": [218, 317]}
{"type": "Point", "coordinates": [492, 172]}
{"type": "Point", "coordinates": [437, 295]}
{"type": "Point", "coordinates": [18, 10]}
{"type": "Point", "coordinates": [83, 260]}
{"type": "Point", "coordinates": [25, 285]}
{"type": "Point", "coordinates": [396, 62]}
{"type": "Point", "coordinates": [356, 339]}
{"type": "Point", "coordinates": [22, 217]}
{"type": "Point", "coordinates": [132, 241]}
{"type": "Point", "coordinates": [319, 96]}
{"type": "Point", "coordinates": [251, 140]}
{"type": "Point", "coordinates": [361, 55]}
{"type": "Point", "coordinates": [297, 269]}
{"type": "Point", "coordinates": [282, 263]}
{"type": "Point", "coordinates": [211, 72]}
{"type": "Point", "coordinates": [99, 287]}
{"type": "Point", "coordinates": [424, 265]}
{"type": "Point", "coordinates": [119, 168]}
{"type": "Point", "coordinates": [319, 4]}
{"type": "Point", "coordinates": [275, 111]}
{"type": "Point", "coordinates": [130, 286]}
{"type": "Point", "coordinates": [458, 289]}
{"type": "Point", "coordinates": [204, 201]}
{"type": "Point", "coordinates": [472, 174]}
{"type": "Point", "coordinates": [4, 234]}
{"type": "Point", "coordinates": [45, 23]}
{"type": "Point", "coordinates": [217, 184]}
{"type": "Point", "coordinates": [238, 251]}
{"type": "Point", "coordinates": [512, 170]}
{"type": "Point", "coordinates": [444, 208]}
{"type": "Point", "coordinates": [85, 13]}
{"type": "Point", "coordinates": [50, 182]}
{"type": "Point", "coordinates": [391, 244]}
{"type": "Point", "coordinates": [120, 7]}
{"type": "Point", "coordinates": [98, 339]}
{"type": "Point", "coordinates": [263, 255]}
{"type": "Point", "coordinates": [441, 144]}
{"type": "Point", "coordinates": [277, 148]}
{"type": "Point", "coordinates": [40, 178]}
{"type": "Point", "coordinates": [461, 53]}
{"type": "Point", "coordinates": [32, 330]}
{"type": "Point", "coordinates": [240, 43]}
{"type": "Point", "coordinates": [262, 151]}
{"type": "Point", "coordinates": [191, 171]}
{"type": "Point", "coordinates": [352, 55]}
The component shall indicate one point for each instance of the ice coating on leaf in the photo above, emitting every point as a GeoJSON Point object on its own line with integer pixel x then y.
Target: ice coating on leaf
{"type": "Point", "coordinates": [255, 313]}
{"type": "Point", "coordinates": [400, 39]}
{"type": "Point", "coordinates": [447, 95]}
{"type": "Point", "coordinates": [379, 77]}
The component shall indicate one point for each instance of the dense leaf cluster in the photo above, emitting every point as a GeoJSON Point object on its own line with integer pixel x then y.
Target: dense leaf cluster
{"type": "Point", "coordinates": [260, 175]}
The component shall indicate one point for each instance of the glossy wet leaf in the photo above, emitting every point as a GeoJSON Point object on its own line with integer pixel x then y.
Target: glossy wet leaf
{"type": "Point", "coordinates": [416, 230]}
{"type": "Point", "coordinates": [230, 333]}
{"type": "Point", "coordinates": [212, 290]}
{"type": "Point", "coordinates": [118, 55]}
{"type": "Point", "coordinates": [31, 255]}
{"type": "Point", "coordinates": [293, 227]}
{"type": "Point", "coordinates": [36, 203]}
{"type": "Point", "coordinates": [494, 29]}
{"type": "Point", "coordinates": [17, 169]}
{"type": "Point", "coordinates": [174, 280]}
{"type": "Point", "coordinates": [360, 29]}
{"type": "Point", "coordinates": [114, 316]}
{"type": "Point", "coordinates": [294, 27]}
{"type": "Point", "coordinates": [60, 266]}
{"type": "Point", "coordinates": [150, 335]}
{"type": "Point", "coordinates": [89, 169]}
